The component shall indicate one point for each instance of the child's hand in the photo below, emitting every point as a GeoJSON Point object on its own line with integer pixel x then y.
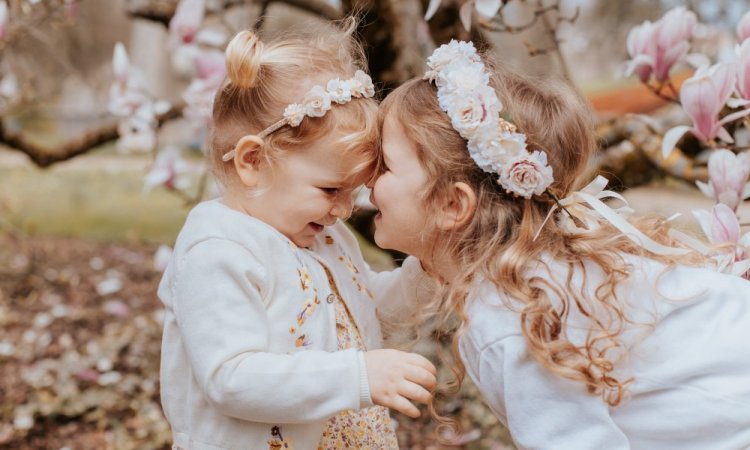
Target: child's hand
{"type": "Point", "coordinates": [397, 377]}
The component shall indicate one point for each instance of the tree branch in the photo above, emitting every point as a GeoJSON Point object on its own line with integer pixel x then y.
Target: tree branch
{"type": "Point", "coordinates": [162, 10]}
{"type": "Point", "coordinates": [44, 156]}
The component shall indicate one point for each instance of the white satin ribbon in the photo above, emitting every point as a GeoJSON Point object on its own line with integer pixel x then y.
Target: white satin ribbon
{"type": "Point", "coordinates": [587, 206]}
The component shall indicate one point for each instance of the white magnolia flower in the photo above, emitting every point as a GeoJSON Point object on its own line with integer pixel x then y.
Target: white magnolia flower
{"type": "Point", "coordinates": [340, 91]}
{"type": "Point", "coordinates": [317, 101]}
{"type": "Point", "coordinates": [169, 170]}
{"type": "Point", "coordinates": [294, 113]}
{"type": "Point", "coordinates": [526, 175]}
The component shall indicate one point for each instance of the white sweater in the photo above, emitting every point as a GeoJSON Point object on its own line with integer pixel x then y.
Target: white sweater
{"type": "Point", "coordinates": [246, 346]}
{"type": "Point", "coordinates": [692, 370]}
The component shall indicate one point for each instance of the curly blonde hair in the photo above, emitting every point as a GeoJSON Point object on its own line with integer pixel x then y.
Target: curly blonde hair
{"type": "Point", "coordinates": [263, 78]}
{"type": "Point", "coordinates": [499, 242]}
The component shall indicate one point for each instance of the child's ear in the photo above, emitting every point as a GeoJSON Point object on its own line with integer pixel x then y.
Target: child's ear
{"type": "Point", "coordinates": [247, 159]}
{"type": "Point", "coordinates": [459, 208]}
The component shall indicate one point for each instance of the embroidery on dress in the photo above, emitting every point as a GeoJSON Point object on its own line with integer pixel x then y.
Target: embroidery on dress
{"type": "Point", "coordinates": [278, 442]}
{"type": "Point", "coordinates": [310, 304]}
{"type": "Point", "coordinates": [349, 263]}
{"type": "Point", "coordinates": [308, 308]}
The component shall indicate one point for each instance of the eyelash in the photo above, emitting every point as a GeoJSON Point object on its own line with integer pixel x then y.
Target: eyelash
{"type": "Point", "coordinates": [330, 191]}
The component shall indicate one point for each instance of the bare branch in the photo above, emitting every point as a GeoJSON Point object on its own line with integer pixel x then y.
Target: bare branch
{"type": "Point", "coordinates": [162, 10]}
{"type": "Point", "coordinates": [44, 156]}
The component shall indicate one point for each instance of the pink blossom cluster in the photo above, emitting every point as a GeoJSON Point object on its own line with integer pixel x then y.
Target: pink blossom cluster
{"type": "Point", "coordinates": [656, 47]}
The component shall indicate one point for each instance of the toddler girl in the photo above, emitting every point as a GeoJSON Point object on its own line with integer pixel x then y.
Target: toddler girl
{"type": "Point", "coordinates": [581, 329]}
{"type": "Point", "coordinates": [270, 325]}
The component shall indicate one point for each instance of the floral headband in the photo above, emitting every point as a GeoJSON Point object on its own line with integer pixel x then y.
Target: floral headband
{"type": "Point", "coordinates": [317, 101]}
{"type": "Point", "coordinates": [474, 109]}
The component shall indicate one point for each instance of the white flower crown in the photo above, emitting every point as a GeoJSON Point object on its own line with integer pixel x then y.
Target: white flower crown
{"type": "Point", "coordinates": [474, 109]}
{"type": "Point", "coordinates": [317, 101]}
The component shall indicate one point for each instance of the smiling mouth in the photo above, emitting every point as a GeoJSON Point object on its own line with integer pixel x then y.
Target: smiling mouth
{"type": "Point", "coordinates": [316, 227]}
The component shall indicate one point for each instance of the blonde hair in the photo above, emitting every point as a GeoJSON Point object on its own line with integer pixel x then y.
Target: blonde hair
{"type": "Point", "coordinates": [499, 242]}
{"type": "Point", "coordinates": [264, 78]}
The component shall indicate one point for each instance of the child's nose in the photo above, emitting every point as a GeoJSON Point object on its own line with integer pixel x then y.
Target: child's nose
{"type": "Point", "coordinates": [342, 207]}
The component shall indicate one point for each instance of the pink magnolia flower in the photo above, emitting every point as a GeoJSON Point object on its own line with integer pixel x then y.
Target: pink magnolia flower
{"type": "Point", "coordinates": [70, 8]}
{"type": "Point", "coordinates": [169, 170]}
{"type": "Point", "coordinates": [722, 227]}
{"type": "Point", "coordinates": [186, 21]}
{"type": "Point", "coordinates": [656, 47]}
{"type": "Point", "coordinates": [742, 65]}
{"type": "Point", "coordinates": [703, 96]}
{"type": "Point", "coordinates": [210, 64]}
{"type": "Point", "coordinates": [3, 18]}
{"type": "Point", "coordinates": [640, 47]}
{"type": "Point", "coordinates": [743, 27]}
{"type": "Point", "coordinates": [671, 37]}
{"type": "Point", "coordinates": [728, 178]}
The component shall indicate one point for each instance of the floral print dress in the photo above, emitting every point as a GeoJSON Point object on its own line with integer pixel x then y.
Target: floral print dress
{"type": "Point", "coordinates": [369, 428]}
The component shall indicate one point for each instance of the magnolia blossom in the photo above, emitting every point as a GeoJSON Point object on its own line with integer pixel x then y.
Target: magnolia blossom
{"type": "Point", "coordinates": [743, 27]}
{"type": "Point", "coordinates": [186, 21]}
{"type": "Point", "coordinates": [728, 178]}
{"type": "Point", "coordinates": [656, 47]}
{"type": "Point", "coordinates": [526, 175]}
{"type": "Point", "coordinates": [703, 96]}
{"type": "Point", "coordinates": [3, 18]}
{"type": "Point", "coordinates": [129, 99]}
{"type": "Point", "coordinates": [169, 170]}
{"type": "Point", "coordinates": [722, 227]}
{"type": "Point", "coordinates": [742, 65]}
{"type": "Point", "coordinates": [199, 96]}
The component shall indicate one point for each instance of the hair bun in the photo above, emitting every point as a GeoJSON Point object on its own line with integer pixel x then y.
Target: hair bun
{"type": "Point", "coordinates": [243, 57]}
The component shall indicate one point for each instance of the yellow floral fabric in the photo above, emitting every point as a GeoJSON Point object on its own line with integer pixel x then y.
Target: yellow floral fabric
{"type": "Point", "coordinates": [369, 428]}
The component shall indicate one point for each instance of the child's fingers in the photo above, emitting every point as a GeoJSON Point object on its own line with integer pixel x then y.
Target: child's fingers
{"type": "Point", "coordinates": [415, 392]}
{"type": "Point", "coordinates": [422, 377]}
{"type": "Point", "coordinates": [421, 361]}
{"type": "Point", "coordinates": [404, 406]}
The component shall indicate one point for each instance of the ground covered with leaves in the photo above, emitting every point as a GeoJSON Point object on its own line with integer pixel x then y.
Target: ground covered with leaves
{"type": "Point", "coordinates": [79, 353]}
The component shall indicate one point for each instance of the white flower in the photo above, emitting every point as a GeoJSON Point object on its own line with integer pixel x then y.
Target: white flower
{"type": "Point", "coordinates": [469, 113]}
{"type": "Point", "coordinates": [169, 170]}
{"type": "Point", "coordinates": [465, 78]}
{"type": "Point", "coordinates": [340, 91]}
{"type": "Point", "coordinates": [317, 101]}
{"type": "Point", "coordinates": [450, 53]}
{"type": "Point", "coordinates": [526, 175]}
{"type": "Point", "coordinates": [294, 114]}
{"type": "Point", "coordinates": [361, 85]}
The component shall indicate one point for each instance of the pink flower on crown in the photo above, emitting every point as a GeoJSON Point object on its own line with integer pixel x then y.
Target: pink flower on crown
{"type": "Point", "coordinates": [526, 175]}
{"type": "Point", "coordinates": [468, 114]}
{"type": "Point", "coordinates": [317, 101]}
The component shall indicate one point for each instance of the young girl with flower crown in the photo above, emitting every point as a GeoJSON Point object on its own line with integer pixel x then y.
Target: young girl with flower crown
{"type": "Point", "coordinates": [270, 335]}
{"type": "Point", "coordinates": [582, 330]}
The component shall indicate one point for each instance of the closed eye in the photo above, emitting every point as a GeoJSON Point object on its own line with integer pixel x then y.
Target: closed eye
{"type": "Point", "coordinates": [330, 190]}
